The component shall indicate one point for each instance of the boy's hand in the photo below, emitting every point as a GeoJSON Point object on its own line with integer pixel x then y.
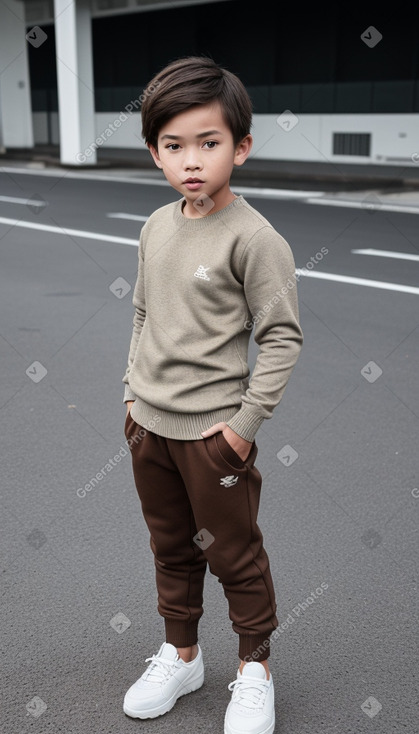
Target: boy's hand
{"type": "Point", "coordinates": [239, 444]}
{"type": "Point", "coordinates": [128, 404]}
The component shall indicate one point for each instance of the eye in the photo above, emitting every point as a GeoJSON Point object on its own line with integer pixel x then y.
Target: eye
{"type": "Point", "coordinates": [211, 144]}
{"type": "Point", "coordinates": [172, 146]}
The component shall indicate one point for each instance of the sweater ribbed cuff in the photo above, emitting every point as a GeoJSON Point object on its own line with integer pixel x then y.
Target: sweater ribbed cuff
{"type": "Point", "coordinates": [245, 423]}
{"type": "Point", "coordinates": [128, 394]}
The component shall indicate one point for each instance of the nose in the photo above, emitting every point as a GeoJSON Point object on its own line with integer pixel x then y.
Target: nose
{"type": "Point", "coordinates": [192, 159]}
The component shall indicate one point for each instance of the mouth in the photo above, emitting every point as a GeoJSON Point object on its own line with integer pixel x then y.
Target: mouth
{"type": "Point", "coordinates": [193, 184]}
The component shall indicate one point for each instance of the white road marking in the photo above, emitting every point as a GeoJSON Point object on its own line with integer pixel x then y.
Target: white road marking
{"type": "Point", "coordinates": [359, 281]}
{"type": "Point", "coordinates": [122, 215]}
{"type": "Point", "coordinates": [72, 232]}
{"type": "Point", "coordinates": [368, 205]}
{"type": "Point", "coordinates": [274, 193]}
{"type": "Point", "coordinates": [63, 173]}
{"type": "Point", "coordinates": [17, 200]}
{"type": "Point", "coordinates": [387, 253]}
{"type": "Point", "coordinates": [134, 242]}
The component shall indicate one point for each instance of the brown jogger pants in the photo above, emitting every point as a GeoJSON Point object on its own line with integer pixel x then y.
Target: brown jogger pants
{"type": "Point", "coordinates": [200, 502]}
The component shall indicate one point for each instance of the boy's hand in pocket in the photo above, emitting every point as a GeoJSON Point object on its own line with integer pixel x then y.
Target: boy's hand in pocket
{"type": "Point", "coordinates": [239, 444]}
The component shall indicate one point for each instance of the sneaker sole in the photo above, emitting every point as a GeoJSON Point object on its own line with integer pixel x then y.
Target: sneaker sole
{"type": "Point", "coordinates": [189, 687]}
{"type": "Point", "coordinates": [269, 729]}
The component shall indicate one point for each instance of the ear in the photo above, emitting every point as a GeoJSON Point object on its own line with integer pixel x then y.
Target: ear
{"type": "Point", "coordinates": [155, 155]}
{"type": "Point", "coordinates": [243, 150]}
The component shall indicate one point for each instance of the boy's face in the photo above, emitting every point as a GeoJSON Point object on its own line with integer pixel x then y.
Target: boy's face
{"type": "Point", "coordinates": [198, 144]}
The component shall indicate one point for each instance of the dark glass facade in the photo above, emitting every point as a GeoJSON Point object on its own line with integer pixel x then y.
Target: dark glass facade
{"type": "Point", "coordinates": [309, 61]}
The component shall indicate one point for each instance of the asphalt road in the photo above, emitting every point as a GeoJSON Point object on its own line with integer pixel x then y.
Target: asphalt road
{"type": "Point", "coordinates": [339, 461]}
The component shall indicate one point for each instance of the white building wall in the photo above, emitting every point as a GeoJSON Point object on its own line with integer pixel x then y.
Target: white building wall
{"type": "Point", "coordinates": [394, 137]}
{"type": "Point", "coordinates": [15, 93]}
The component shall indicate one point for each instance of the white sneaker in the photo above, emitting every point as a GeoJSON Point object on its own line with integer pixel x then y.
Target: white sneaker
{"type": "Point", "coordinates": [165, 680]}
{"type": "Point", "coordinates": [251, 709]}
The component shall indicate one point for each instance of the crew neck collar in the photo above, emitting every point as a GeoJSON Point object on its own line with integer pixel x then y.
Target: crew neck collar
{"type": "Point", "coordinates": [209, 219]}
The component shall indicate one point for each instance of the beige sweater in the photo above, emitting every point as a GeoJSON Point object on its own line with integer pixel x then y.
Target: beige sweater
{"type": "Point", "coordinates": [202, 285]}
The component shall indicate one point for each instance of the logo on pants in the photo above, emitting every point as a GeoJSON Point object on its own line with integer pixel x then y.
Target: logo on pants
{"type": "Point", "coordinates": [229, 481]}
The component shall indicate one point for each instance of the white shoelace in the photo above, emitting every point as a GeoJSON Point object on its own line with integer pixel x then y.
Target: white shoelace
{"type": "Point", "coordinates": [249, 692]}
{"type": "Point", "coordinates": [158, 670]}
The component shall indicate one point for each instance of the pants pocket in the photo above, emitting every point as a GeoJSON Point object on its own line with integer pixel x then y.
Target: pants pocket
{"type": "Point", "coordinates": [129, 424]}
{"type": "Point", "coordinates": [228, 453]}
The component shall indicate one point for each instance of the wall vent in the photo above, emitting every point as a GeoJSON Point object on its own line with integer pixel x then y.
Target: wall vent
{"type": "Point", "coordinates": [352, 144]}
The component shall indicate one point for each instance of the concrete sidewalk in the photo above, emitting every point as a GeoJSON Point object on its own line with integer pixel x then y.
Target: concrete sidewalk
{"type": "Point", "coordinates": [319, 176]}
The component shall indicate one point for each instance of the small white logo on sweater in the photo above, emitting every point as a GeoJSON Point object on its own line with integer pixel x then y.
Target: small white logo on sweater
{"type": "Point", "coordinates": [201, 272]}
{"type": "Point", "coordinates": [229, 481]}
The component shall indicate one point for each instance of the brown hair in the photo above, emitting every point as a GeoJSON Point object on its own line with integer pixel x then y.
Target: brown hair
{"type": "Point", "coordinates": [191, 81]}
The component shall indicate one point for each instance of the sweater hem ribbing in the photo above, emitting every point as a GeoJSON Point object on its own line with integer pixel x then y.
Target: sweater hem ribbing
{"type": "Point", "coordinates": [129, 394]}
{"type": "Point", "coordinates": [180, 426]}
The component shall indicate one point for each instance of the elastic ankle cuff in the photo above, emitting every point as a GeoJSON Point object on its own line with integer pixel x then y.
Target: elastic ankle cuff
{"type": "Point", "coordinates": [181, 634]}
{"type": "Point", "coordinates": [254, 648]}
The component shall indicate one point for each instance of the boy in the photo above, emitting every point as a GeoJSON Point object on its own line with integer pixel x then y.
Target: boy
{"type": "Point", "coordinates": [210, 268]}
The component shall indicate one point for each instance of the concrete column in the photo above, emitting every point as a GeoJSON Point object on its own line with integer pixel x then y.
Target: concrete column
{"type": "Point", "coordinates": [15, 93]}
{"type": "Point", "coordinates": [76, 103]}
